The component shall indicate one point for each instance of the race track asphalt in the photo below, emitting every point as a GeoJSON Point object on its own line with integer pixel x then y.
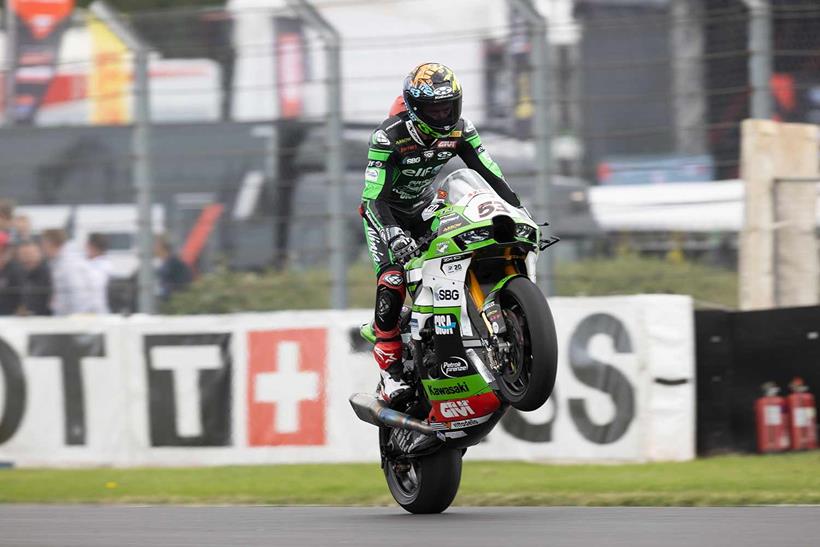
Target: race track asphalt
{"type": "Point", "coordinates": [171, 526]}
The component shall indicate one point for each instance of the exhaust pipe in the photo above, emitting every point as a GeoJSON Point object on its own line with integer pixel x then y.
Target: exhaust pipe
{"type": "Point", "coordinates": [373, 410]}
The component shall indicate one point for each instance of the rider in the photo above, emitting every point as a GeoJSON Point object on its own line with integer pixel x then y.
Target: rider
{"type": "Point", "coordinates": [406, 152]}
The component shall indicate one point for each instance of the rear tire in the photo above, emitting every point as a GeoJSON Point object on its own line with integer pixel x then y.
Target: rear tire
{"type": "Point", "coordinates": [427, 484]}
{"type": "Point", "coordinates": [529, 378]}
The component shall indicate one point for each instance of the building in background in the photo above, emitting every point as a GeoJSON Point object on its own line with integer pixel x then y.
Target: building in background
{"type": "Point", "coordinates": [642, 91]}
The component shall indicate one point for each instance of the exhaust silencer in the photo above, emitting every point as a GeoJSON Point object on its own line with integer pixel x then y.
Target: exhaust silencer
{"type": "Point", "coordinates": [373, 410]}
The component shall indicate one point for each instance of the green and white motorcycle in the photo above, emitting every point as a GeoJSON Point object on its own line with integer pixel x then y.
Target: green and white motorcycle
{"type": "Point", "coordinates": [480, 338]}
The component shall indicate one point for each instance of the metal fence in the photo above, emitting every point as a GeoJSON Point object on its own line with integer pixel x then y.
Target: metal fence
{"type": "Point", "coordinates": [250, 173]}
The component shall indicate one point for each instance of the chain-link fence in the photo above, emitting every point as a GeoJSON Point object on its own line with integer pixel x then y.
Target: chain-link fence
{"type": "Point", "coordinates": [640, 92]}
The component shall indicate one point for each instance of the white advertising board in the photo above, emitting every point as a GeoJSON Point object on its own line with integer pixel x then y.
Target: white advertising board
{"type": "Point", "coordinates": [274, 388]}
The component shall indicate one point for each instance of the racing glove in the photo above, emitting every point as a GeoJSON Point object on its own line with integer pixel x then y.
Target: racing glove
{"type": "Point", "coordinates": [403, 246]}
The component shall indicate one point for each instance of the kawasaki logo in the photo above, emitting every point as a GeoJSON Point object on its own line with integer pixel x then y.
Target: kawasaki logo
{"type": "Point", "coordinates": [454, 409]}
{"type": "Point", "coordinates": [456, 389]}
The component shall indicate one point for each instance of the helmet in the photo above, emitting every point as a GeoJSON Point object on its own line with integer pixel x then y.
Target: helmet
{"type": "Point", "coordinates": [433, 98]}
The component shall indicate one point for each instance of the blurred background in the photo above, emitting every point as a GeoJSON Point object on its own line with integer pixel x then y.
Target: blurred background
{"type": "Point", "coordinates": [234, 145]}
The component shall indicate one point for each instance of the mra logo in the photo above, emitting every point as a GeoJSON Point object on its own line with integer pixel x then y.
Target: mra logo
{"type": "Point", "coordinates": [445, 324]}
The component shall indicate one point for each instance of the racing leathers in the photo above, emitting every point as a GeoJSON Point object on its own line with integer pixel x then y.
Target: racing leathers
{"type": "Point", "coordinates": [402, 166]}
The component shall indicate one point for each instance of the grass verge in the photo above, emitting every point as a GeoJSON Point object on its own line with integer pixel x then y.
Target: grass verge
{"type": "Point", "coordinates": [729, 480]}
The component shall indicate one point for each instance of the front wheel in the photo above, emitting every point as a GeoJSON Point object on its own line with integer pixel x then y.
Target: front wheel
{"type": "Point", "coordinates": [529, 375]}
{"type": "Point", "coordinates": [427, 484]}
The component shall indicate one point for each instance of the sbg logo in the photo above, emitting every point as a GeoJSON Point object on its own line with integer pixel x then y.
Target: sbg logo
{"type": "Point", "coordinates": [445, 324]}
{"type": "Point", "coordinates": [448, 294]}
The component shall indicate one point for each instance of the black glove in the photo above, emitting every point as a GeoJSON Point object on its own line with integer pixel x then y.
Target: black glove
{"type": "Point", "coordinates": [404, 248]}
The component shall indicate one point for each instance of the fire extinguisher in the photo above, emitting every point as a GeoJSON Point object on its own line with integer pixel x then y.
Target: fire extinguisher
{"type": "Point", "coordinates": [803, 417]}
{"type": "Point", "coordinates": [772, 423]}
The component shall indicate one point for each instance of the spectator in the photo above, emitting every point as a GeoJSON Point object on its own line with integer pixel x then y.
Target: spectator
{"type": "Point", "coordinates": [6, 215]}
{"type": "Point", "coordinates": [71, 276]}
{"type": "Point", "coordinates": [21, 225]}
{"type": "Point", "coordinates": [95, 251]}
{"type": "Point", "coordinates": [11, 277]}
{"type": "Point", "coordinates": [173, 274]}
{"type": "Point", "coordinates": [36, 292]}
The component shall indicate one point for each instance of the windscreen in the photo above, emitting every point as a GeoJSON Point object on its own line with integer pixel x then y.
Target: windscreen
{"type": "Point", "coordinates": [463, 183]}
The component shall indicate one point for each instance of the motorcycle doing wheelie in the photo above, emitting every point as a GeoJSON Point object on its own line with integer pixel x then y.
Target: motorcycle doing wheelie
{"type": "Point", "coordinates": [479, 338]}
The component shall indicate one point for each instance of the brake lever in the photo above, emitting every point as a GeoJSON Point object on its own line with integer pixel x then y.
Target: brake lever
{"type": "Point", "coordinates": [549, 242]}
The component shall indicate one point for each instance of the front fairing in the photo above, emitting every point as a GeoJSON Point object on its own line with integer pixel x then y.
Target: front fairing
{"type": "Point", "coordinates": [469, 222]}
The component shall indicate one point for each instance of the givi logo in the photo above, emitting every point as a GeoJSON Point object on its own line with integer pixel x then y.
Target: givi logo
{"type": "Point", "coordinates": [286, 387]}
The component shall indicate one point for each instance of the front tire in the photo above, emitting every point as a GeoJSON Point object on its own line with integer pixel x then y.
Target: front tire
{"type": "Point", "coordinates": [427, 484]}
{"type": "Point", "coordinates": [529, 376]}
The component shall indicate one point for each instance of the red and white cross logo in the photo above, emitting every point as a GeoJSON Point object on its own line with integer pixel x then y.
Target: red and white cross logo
{"type": "Point", "coordinates": [286, 387]}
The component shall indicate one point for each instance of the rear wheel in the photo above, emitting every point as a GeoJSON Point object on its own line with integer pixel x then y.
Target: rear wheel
{"type": "Point", "coordinates": [427, 484]}
{"type": "Point", "coordinates": [529, 375]}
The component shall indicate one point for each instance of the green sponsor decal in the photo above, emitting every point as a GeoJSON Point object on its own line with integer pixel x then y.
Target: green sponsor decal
{"type": "Point", "coordinates": [373, 182]}
{"type": "Point", "coordinates": [377, 155]}
{"type": "Point", "coordinates": [455, 388]}
{"type": "Point", "coordinates": [441, 246]}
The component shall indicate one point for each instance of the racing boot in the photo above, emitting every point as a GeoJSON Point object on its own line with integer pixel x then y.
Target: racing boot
{"type": "Point", "coordinates": [393, 390]}
{"type": "Point", "coordinates": [390, 293]}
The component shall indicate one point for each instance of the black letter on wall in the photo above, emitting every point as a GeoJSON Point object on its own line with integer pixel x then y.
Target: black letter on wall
{"type": "Point", "coordinates": [214, 385]}
{"type": "Point", "coordinates": [515, 424]}
{"type": "Point", "coordinates": [15, 396]}
{"type": "Point", "coordinates": [603, 377]}
{"type": "Point", "coordinates": [71, 349]}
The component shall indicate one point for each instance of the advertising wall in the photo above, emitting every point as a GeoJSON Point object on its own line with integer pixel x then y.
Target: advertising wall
{"type": "Point", "coordinates": [273, 388]}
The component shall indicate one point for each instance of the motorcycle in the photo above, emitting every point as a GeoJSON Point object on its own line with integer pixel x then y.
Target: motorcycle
{"type": "Point", "coordinates": [478, 339]}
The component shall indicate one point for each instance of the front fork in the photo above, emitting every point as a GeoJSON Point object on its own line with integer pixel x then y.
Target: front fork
{"type": "Point", "coordinates": [495, 348]}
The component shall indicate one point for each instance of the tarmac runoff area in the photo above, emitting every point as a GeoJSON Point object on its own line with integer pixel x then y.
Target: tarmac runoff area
{"type": "Point", "coordinates": [124, 526]}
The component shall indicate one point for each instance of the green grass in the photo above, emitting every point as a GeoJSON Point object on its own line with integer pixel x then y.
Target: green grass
{"type": "Point", "coordinates": [730, 480]}
{"type": "Point", "coordinates": [224, 291]}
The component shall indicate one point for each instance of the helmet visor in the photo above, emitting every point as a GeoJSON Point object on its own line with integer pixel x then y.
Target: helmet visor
{"type": "Point", "coordinates": [439, 114]}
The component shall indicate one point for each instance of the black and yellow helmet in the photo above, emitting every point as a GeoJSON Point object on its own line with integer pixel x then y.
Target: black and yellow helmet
{"type": "Point", "coordinates": [432, 95]}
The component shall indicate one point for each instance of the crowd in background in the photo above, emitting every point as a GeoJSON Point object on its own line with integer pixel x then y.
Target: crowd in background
{"type": "Point", "coordinates": [44, 274]}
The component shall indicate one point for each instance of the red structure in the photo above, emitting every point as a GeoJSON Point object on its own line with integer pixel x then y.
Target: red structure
{"type": "Point", "coordinates": [802, 416]}
{"type": "Point", "coordinates": [772, 420]}
{"type": "Point", "coordinates": [397, 107]}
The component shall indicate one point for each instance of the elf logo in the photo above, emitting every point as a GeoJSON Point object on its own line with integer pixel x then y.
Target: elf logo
{"type": "Point", "coordinates": [456, 409]}
{"type": "Point", "coordinates": [421, 171]}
